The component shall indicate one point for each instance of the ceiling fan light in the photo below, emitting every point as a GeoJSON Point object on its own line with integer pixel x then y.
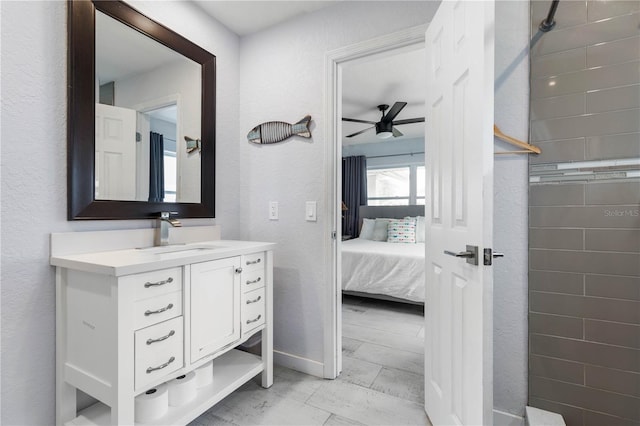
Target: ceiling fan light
{"type": "Point", "coordinates": [384, 130]}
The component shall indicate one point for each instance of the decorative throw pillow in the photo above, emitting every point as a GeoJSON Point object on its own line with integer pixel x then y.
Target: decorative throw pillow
{"type": "Point", "coordinates": [380, 230]}
{"type": "Point", "coordinates": [366, 233]}
{"type": "Point", "coordinates": [402, 231]}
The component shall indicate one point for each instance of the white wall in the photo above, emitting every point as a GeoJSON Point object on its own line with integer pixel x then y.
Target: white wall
{"type": "Point", "coordinates": [33, 187]}
{"type": "Point", "coordinates": [282, 75]}
{"type": "Point", "coordinates": [510, 209]}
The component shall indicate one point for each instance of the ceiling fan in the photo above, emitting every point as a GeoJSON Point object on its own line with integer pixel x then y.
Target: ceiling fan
{"type": "Point", "coordinates": [385, 127]}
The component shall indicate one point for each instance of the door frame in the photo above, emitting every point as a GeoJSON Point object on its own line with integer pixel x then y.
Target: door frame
{"type": "Point", "coordinates": [153, 104]}
{"type": "Point", "coordinates": [334, 60]}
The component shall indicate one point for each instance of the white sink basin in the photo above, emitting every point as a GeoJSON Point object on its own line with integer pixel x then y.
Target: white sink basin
{"type": "Point", "coordinates": [180, 249]}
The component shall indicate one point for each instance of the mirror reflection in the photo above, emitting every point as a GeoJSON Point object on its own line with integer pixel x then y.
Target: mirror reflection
{"type": "Point", "coordinates": [148, 100]}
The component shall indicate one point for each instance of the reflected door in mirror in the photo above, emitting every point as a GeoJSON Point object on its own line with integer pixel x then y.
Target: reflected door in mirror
{"type": "Point", "coordinates": [115, 164]}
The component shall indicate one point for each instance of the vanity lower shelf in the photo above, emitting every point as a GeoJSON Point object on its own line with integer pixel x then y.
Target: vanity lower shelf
{"type": "Point", "coordinates": [230, 371]}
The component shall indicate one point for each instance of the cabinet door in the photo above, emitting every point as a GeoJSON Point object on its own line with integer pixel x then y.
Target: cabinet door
{"type": "Point", "coordinates": [215, 306]}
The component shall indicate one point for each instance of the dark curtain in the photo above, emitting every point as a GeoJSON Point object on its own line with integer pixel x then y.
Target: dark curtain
{"type": "Point", "coordinates": [156, 168]}
{"type": "Point", "coordinates": [354, 192]}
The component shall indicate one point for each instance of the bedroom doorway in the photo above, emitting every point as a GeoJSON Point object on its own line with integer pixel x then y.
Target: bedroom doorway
{"type": "Point", "coordinates": [458, 356]}
{"type": "Point", "coordinates": [406, 40]}
{"type": "Point", "coordinates": [383, 176]}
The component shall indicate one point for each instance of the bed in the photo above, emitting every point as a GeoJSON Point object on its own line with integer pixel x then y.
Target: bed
{"type": "Point", "coordinates": [381, 269]}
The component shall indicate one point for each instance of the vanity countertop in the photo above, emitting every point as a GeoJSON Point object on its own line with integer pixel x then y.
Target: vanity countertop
{"type": "Point", "coordinates": [137, 260]}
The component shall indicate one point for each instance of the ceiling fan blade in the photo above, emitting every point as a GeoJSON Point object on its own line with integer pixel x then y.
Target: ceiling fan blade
{"type": "Point", "coordinates": [409, 121]}
{"type": "Point", "coordinates": [395, 110]}
{"type": "Point", "coordinates": [355, 120]}
{"type": "Point", "coordinates": [396, 133]}
{"type": "Point", "coordinates": [360, 132]}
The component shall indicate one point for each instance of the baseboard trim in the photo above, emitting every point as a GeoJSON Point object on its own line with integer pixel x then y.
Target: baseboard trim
{"type": "Point", "coordinates": [303, 365]}
{"type": "Point", "coordinates": [501, 418]}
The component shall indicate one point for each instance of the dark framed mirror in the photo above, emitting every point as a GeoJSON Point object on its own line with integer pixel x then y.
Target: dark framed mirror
{"type": "Point", "coordinates": [96, 79]}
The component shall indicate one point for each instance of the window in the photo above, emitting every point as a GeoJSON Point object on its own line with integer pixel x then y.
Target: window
{"type": "Point", "coordinates": [420, 189]}
{"type": "Point", "coordinates": [395, 186]}
{"type": "Point", "coordinates": [170, 172]}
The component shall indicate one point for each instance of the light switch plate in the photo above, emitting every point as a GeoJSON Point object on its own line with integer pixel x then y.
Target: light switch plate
{"type": "Point", "coordinates": [310, 211]}
{"type": "Point", "coordinates": [273, 210]}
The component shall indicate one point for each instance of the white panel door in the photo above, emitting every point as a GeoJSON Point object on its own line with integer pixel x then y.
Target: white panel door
{"type": "Point", "coordinates": [115, 153]}
{"type": "Point", "coordinates": [459, 164]}
{"type": "Point", "coordinates": [214, 306]}
{"type": "Point", "coordinates": [143, 127]}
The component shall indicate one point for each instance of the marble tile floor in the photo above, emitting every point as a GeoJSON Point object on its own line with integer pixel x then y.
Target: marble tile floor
{"type": "Point", "coordinates": [381, 382]}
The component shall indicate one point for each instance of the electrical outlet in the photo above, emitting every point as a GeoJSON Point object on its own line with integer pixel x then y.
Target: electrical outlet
{"type": "Point", "coordinates": [273, 210]}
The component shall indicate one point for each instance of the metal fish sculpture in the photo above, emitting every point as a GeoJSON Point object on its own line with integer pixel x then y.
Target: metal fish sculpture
{"type": "Point", "coordinates": [192, 144]}
{"type": "Point", "coordinates": [277, 131]}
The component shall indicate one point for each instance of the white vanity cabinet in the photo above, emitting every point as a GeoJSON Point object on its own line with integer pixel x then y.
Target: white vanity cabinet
{"type": "Point", "coordinates": [128, 320]}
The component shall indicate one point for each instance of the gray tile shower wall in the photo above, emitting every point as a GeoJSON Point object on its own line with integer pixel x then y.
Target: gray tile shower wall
{"type": "Point", "coordinates": [584, 233]}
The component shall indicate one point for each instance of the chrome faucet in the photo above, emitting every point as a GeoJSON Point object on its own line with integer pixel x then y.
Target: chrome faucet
{"type": "Point", "coordinates": [164, 220]}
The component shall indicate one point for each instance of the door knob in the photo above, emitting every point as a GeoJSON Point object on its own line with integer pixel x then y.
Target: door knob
{"type": "Point", "coordinates": [471, 254]}
{"type": "Point", "coordinates": [460, 254]}
{"type": "Point", "coordinates": [489, 254]}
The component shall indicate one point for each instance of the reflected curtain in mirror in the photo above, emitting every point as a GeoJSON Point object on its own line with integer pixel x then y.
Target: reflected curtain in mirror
{"type": "Point", "coordinates": [156, 168]}
{"type": "Point", "coordinates": [354, 192]}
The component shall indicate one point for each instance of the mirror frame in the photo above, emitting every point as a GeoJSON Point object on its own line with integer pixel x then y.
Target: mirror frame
{"type": "Point", "coordinates": [81, 202]}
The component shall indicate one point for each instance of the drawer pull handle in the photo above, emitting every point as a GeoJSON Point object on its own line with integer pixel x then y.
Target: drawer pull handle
{"type": "Point", "coordinates": [169, 306]}
{"type": "Point", "coordinates": [257, 280]}
{"type": "Point", "coordinates": [160, 339]}
{"type": "Point", "coordinates": [160, 367]}
{"type": "Point", "coordinates": [158, 283]}
{"type": "Point", "coordinates": [257, 299]}
{"type": "Point", "coordinates": [252, 262]}
{"type": "Point", "coordinates": [254, 320]}
{"type": "Point", "coordinates": [238, 270]}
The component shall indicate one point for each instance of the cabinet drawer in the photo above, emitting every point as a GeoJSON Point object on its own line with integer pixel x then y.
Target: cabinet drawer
{"type": "Point", "coordinates": [158, 351]}
{"type": "Point", "coordinates": [253, 261]}
{"type": "Point", "coordinates": [253, 310]}
{"type": "Point", "coordinates": [155, 283]}
{"type": "Point", "coordinates": [161, 308]}
{"type": "Point", "coordinates": [252, 280]}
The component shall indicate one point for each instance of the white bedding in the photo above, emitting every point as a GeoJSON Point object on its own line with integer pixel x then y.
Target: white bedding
{"type": "Point", "coordinates": [392, 269]}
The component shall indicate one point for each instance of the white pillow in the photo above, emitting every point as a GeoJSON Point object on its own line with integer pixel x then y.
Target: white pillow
{"type": "Point", "coordinates": [420, 229]}
{"type": "Point", "coordinates": [380, 230]}
{"type": "Point", "coordinates": [366, 233]}
{"type": "Point", "coordinates": [402, 231]}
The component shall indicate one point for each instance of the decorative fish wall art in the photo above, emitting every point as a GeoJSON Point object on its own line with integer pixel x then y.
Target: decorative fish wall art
{"type": "Point", "coordinates": [277, 131]}
{"type": "Point", "coordinates": [192, 144]}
